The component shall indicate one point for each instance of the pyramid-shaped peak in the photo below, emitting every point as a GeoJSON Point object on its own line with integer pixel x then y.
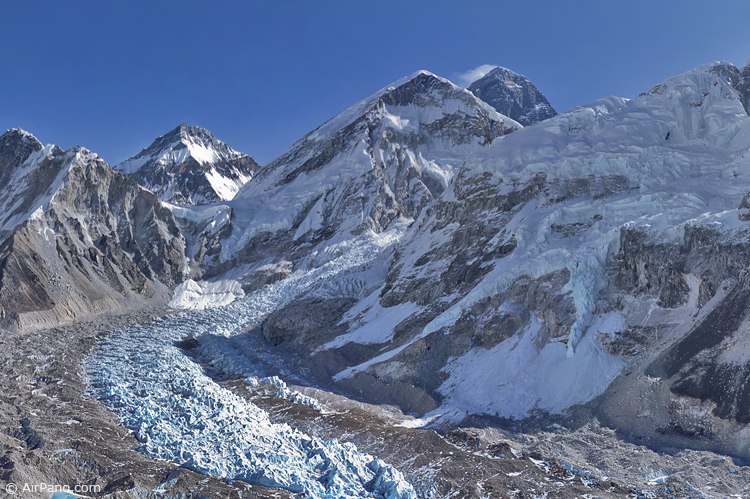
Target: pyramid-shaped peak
{"type": "Point", "coordinates": [189, 165]}
{"type": "Point", "coordinates": [182, 143]}
{"type": "Point", "coordinates": [512, 94]}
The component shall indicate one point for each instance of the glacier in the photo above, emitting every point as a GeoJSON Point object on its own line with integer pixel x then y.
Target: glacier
{"type": "Point", "coordinates": [180, 414]}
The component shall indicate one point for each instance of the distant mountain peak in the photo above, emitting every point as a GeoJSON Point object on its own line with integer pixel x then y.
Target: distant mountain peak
{"type": "Point", "coordinates": [513, 95]}
{"type": "Point", "coordinates": [16, 145]}
{"type": "Point", "coordinates": [20, 136]}
{"type": "Point", "coordinates": [186, 131]}
{"type": "Point", "coordinates": [189, 165]}
{"type": "Point", "coordinates": [192, 142]}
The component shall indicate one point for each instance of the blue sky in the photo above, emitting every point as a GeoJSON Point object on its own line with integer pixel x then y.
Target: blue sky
{"type": "Point", "coordinates": [114, 75]}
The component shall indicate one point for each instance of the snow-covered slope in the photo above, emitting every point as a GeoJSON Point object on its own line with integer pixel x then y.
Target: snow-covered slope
{"type": "Point", "coordinates": [189, 166]}
{"type": "Point", "coordinates": [516, 274]}
{"type": "Point", "coordinates": [513, 95]}
{"type": "Point", "coordinates": [512, 262]}
{"type": "Point", "coordinates": [376, 164]}
{"type": "Point", "coordinates": [520, 244]}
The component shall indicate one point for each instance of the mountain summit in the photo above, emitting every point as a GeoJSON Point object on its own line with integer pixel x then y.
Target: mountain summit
{"type": "Point", "coordinates": [381, 160]}
{"type": "Point", "coordinates": [190, 166]}
{"type": "Point", "coordinates": [513, 95]}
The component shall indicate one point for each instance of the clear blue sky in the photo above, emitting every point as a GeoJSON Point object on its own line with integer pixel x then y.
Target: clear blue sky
{"type": "Point", "coordinates": [113, 75]}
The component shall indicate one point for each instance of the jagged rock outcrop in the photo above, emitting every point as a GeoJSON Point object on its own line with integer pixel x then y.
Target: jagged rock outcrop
{"type": "Point", "coordinates": [513, 95]}
{"type": "Point", "coordinates": [741, 82]}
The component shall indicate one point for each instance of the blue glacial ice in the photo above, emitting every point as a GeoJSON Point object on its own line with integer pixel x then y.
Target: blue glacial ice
{"type": "Point", "coordinates": [180, 414]}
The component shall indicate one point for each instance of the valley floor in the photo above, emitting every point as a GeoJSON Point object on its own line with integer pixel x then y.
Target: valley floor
{"type": "Point", "coordinates": [54, 432]}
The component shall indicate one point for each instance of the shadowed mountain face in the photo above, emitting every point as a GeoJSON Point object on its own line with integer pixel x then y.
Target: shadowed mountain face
{"type": "Point", "coordinates": [513, 95]}
{"type": "Point", "coordinates": [189, 166]}
{"type": "Point", "coordinates": [78, 238]}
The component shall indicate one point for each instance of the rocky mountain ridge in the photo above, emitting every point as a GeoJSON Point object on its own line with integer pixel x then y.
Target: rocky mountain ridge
{"type": "Point", "coordinates": [78, 238]}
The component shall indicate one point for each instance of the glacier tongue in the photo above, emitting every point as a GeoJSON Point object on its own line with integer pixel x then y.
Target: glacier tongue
{"type": "Point", "coordinates": [180, 414]}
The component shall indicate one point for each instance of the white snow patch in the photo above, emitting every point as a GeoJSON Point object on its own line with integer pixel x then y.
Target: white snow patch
{"type": "Point", "coordinates": [192, 295]}
{"type": "Point", "coordinates": [226, 188]}
{"type": "Point", "coordinates": [371, 322]}
{"type": "Point", "coordinates": [515, 377]}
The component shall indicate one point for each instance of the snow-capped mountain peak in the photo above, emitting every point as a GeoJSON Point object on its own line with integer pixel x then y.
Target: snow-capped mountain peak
{"type": "Point", "coordinates": [513, 95]}
{"type": "Point", "coordinates": [15, 146]}
{"type": "Point", "coordinates": [381, 160]}
{"type": "Point", "coordinates": [178, 145]}
{"type": "Point", "coordinates": [420, 89]}
{"type": "Point", "coordinates": [189, 165]}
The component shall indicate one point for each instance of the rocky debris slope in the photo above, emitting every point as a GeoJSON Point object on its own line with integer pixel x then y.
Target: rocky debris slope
{"type": "Point", "coordinates": [78, 238]}
{"type": "Point", "coordinates": [189, 166]}
{"type": "Point", "coordinates": [513, 95]}
{"type": "Point", "coordinates": [52, 431]}
{"type": "Point", "coordinates": [82, 443]}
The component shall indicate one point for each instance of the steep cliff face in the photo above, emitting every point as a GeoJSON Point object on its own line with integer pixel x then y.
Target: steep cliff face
{"type": "Point", "coordinates": [79, 238]}
{"type": "Point", "coordinates": [27, 174]}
